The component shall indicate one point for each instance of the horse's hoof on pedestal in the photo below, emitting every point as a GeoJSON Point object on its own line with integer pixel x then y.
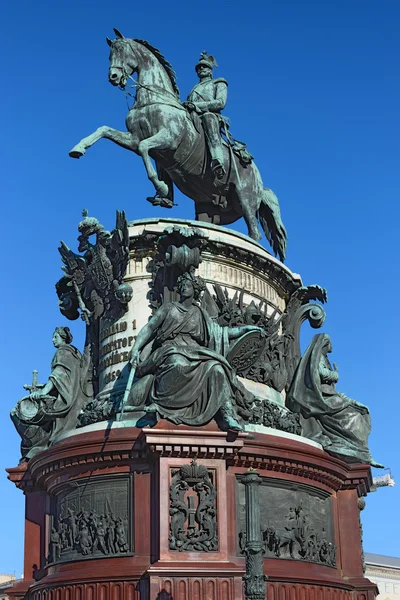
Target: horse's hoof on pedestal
{"type": "Point", "coordinates": [157, 201]}
{"type": "Point", "coordinates": [256, 235]}
{"type": "Point", "coordinates": [75, 153]}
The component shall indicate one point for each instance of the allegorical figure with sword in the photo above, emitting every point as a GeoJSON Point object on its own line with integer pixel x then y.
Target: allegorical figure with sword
{"type": "Point", "coordinates": [186, 378]}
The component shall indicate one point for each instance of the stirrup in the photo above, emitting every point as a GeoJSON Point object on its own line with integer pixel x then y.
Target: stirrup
{"type": "Point", "coordinates": [218, 169]}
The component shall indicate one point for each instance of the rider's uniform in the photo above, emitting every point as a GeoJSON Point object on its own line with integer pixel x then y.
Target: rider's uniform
{"type": "Point", "coordinates": [210, 96]}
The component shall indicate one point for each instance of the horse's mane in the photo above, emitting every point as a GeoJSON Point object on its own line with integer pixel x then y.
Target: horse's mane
{"type": "Point", "coordinates": [163, 61]}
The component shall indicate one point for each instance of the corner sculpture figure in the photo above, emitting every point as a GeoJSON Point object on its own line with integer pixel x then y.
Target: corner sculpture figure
{"type": "Point", "coordinates": [93, 281]}
{"type": "Point", "coordinates": [53, 408]}
{"type": "Point", "coordinates": [92, 286]}
{"type": "Point", "coordinates": [218, 175]}
{"type": "Point", "coordinates": [341, 425]}
{"type": "Point", "coordinates": [186, 378]}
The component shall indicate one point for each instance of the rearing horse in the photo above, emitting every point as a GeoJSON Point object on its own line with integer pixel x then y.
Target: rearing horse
{"type": "Point", "coordinates": [159, 127]}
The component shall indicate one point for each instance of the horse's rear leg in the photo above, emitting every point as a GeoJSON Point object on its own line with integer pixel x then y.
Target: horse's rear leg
{"type": "Point", "coordinates": [249, 209]}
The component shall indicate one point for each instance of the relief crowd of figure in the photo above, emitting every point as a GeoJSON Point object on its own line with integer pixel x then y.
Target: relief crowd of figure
{"type": "Point", "coordinates": [87, 533]}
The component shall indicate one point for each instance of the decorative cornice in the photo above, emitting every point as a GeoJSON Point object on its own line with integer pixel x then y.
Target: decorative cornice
{"type": "Point", "coordinates": [255, 256]}
{"type": "Point", "coordinates": [270, 454]}
{"type": "Point", "coordinates": [189, 444]}
{"type": "Point", "coordinates": [280, 455]}
{"type": "Point", "coordinates": [21, 476]}
{"type": "Point", "coordinates": [259, 264]}
{"type": "Point", "coordinates": [382, 571]}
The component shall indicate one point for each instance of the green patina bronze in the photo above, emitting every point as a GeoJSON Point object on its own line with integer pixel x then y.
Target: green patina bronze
{"type": "Point", "coordinates": [207, 99]}
{"type": "Point", "coordinates": [341, 425]}
{"type": "Point", "coordinates": [52, 409]}
{"type": "Point", "coordinates": [186, 378]}
{"type": "Point", "coordinates": [185, 142]}
{"type": "Point", "coordinates": [187, 360]}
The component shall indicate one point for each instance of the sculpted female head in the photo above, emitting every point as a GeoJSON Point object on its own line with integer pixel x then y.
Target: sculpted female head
{"type": "Point", "coordinates": [188, 285]}
{"type": "Point", "coordinates": [61, 336]}
{"type": "Point", "coordinates": [326, 346]}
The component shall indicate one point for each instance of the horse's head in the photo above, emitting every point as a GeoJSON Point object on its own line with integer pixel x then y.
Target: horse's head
{"type": "Point", "coordinates": [130, 56]}
{"type": "Point", "coordinates": [122, 60]}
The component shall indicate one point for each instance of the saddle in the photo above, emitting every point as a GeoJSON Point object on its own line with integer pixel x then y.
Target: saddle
{"type": "Point", "coordinates": [237, 147]}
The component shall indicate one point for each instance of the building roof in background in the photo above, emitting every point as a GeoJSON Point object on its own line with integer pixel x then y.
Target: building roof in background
{"type": "Point", "coordinates": [382, 561]}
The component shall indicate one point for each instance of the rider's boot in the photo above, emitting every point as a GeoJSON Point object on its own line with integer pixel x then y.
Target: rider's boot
{"type": "Point", "coordinates": [213, 136]}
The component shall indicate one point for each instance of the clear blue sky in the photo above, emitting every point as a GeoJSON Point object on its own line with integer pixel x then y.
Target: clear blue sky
{"type": "Point", "coordinates": [314, 90]}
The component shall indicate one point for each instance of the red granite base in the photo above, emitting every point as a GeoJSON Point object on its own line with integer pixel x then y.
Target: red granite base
{"type": "Point", "coordinates": [153, 571]}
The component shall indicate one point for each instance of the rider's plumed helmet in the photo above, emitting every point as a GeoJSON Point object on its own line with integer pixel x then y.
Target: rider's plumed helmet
{"type": "Point", "coordinates": [207, 61]}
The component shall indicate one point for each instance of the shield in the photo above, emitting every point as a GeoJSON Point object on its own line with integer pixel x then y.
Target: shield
{"type": "Point", "coordinates": [100, 269]}
{"type": "Point", "coordinates": [245, 351]}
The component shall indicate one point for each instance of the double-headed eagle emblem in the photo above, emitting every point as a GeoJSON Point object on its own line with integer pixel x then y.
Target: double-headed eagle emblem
{"type": "Point", "coordinates": [92, 283]}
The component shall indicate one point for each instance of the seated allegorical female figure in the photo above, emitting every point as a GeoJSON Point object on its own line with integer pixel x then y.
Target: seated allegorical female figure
{"type": "Point", "coordinates": [341, 425]}
{"type": "Point", "coordinates": [53, 408]}
{"type": "Point", "coordinates": [186, 378]}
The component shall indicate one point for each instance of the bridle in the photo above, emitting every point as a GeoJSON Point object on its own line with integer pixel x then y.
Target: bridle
{"type": "Point", "coordinates": [137, 85]}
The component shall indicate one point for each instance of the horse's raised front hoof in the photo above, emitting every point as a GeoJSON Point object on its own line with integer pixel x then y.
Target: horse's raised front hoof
{"type": "Point", "coordinates": [77, 152]}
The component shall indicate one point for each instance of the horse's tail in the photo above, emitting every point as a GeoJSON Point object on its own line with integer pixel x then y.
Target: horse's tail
{"type": "Point", "coordinates": [270, 218]}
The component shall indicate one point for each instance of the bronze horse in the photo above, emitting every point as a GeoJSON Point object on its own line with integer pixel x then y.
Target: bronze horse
{"type": "Point", "coordinates": [160, 127]}
{"type": "Point", "coordinates": [278, 539]}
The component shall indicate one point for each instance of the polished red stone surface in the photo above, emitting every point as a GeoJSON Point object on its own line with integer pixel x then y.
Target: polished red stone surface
{"type": "Point", "coordinates": [157, 573]}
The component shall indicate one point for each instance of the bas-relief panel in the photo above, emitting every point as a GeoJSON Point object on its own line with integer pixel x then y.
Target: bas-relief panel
{"type": "Point", "coordinates": [193, 511]}
{"type": "Point", "coordinates": [296, 522]}
{"type": "Point", "coordinates": [91, 519]}
{"type": "Point", "coordinates": [138, 267]}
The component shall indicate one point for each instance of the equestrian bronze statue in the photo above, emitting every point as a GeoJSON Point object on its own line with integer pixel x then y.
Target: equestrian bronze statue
{"type": "Point", "coordinates": [185, 142]}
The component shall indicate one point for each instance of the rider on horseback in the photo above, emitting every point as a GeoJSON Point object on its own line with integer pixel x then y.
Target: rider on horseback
{"type": "Point", "coordinates": [158, 129]}
{"type": "Point", "coordinates": [207, 99]}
